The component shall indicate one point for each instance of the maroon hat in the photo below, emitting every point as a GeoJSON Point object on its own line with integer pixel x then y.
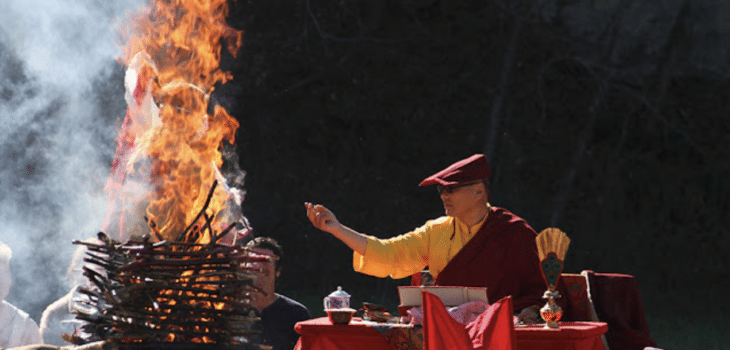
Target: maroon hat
{"type": "Point", "coordinates": [464, 171]}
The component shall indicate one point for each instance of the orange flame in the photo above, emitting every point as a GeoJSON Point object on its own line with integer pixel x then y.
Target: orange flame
{"type": "Point", "coordinates": [173, 48]}
{"type": "Point", "coordinates": [169, 148]}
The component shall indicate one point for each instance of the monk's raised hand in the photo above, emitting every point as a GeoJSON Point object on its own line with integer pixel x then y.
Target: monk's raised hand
{"type": "Point", "coordinates": [321, 217]}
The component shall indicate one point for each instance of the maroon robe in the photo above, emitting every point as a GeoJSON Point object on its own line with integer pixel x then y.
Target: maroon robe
{"type": "Point", "coordinates": [501, 256]}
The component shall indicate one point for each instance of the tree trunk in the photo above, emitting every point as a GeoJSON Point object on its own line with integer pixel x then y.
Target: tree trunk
{"type": "Point", "coordinates": [496, 113]}
{"type": "Point", "coordinates": [567, 186]}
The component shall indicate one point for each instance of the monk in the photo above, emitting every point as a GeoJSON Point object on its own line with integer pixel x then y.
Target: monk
{"type": "Point", "coordinates": [474, 245]}
{"type": "Point", "coordinates": [16, 327]}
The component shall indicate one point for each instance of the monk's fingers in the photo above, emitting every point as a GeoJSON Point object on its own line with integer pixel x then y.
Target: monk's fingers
{"type": "Point", "coordinates": [319, 215]}
{"type": "Point", "coordinates": [316, 220]}
{"type": "Point", "coordinates": [325, 213]}
{"type": "Point", "coordinates": [310, 210]}
{"type": "Point", "coordinates": [310, 207]}
{"type": "Point", "coordinates": [315, 217]}
{"type": "Point", "coordinates": [312, 213]}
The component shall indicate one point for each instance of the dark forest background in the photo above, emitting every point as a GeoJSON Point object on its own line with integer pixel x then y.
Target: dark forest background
{"type": "Point", "coordinates": [605, 118]}
{"type": "Point", "coordinates": [613, 131]}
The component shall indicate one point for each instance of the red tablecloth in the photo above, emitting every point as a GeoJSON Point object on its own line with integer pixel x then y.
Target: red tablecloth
{"type": "Point", "coordinates": [570, 336]}
{"type": "Point", "coordinates": [320, 334]}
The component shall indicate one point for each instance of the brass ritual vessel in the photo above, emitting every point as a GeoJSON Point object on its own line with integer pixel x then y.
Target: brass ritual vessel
{"type": "Point", "coordinates": [551, 312]}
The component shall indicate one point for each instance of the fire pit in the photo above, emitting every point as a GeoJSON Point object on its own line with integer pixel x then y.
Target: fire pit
{"type": "Point", "coordinates": [170, 294]}
{"type": "Point", "coordinates": [182, 284]}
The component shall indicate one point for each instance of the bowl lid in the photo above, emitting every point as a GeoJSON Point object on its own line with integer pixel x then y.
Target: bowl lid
{"type": "Point", "coordinates": [339, 293]}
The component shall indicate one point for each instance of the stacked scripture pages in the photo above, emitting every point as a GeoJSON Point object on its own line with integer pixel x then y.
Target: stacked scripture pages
{"type": "Point", "coordinates": [410, 296]}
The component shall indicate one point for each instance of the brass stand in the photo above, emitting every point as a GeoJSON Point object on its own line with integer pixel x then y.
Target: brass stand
{"type": "Point", "coordinates": [551, 312]}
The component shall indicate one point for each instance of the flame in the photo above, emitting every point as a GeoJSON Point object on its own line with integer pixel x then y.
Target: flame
{"type": "Point", "coordinates": [168, 152]}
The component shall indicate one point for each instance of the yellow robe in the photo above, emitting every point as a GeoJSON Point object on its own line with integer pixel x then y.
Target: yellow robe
{"type": "Point", "coordinates": [429, 245]}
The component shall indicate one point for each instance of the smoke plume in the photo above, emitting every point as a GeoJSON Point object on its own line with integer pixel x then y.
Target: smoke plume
{"type": "Point", "coordinates": [61, 101]}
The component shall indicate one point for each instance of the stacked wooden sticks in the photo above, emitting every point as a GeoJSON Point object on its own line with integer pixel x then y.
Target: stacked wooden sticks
{"type": "Point", "coordinates": [169, 295]}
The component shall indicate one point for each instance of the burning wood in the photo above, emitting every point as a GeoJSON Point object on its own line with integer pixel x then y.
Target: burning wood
{"type": "Point", "coordinates": [189, 288]}
{"type": "Point", "coordinates": [165, 295]}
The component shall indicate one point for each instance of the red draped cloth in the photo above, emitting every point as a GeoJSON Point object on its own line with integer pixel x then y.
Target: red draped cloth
{"type": "Point", "coordinates": [502, 256]}
{"type": "Point", "coordinates": [494, 329]}
{"type": "Point", "coordinates": [440, 330]}
{"type": "Point", "coordinates": [617, 302]}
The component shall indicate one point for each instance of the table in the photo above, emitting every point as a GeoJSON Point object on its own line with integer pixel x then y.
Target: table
{"type": "Point", "coordinates": [319, 333]}
{"type": "Point", "coordinates": [571, 335]}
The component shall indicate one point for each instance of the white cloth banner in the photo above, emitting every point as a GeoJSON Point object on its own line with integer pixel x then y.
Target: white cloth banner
{"type": "Point", "coordinates": [16, 327]}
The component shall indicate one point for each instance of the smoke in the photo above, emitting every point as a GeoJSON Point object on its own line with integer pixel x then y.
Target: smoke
{"type": "Point", "coordinates": [61, 99]}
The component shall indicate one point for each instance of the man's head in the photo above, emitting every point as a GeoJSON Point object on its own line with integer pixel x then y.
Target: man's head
{"type": "Point", "coordinates": [463, 186]}
{"type": "Point", "coordinates": [461, 200]}
{"type": "Point", "coordinates": [271, 269]}
{"type": "Point", "coordinates": [462, 172]}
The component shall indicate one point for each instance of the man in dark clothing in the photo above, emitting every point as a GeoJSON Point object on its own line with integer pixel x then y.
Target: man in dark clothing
{"type": "Point", "coordinates": [278, 313]}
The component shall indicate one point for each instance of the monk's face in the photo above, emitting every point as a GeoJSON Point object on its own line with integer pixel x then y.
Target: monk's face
{"type": "Point", "coordinates": [460, 201]}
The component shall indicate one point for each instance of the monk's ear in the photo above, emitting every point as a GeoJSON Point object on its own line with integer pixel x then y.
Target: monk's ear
{"type": "Point", "coordinates": [485, 184]}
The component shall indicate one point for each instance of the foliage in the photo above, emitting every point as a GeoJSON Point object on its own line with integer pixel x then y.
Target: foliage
{"type": "Point", "coordinates": [351, 103]}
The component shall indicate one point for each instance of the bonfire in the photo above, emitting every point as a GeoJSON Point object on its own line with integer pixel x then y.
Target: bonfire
{"type": "Point", "coordinates": [165, 272]}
